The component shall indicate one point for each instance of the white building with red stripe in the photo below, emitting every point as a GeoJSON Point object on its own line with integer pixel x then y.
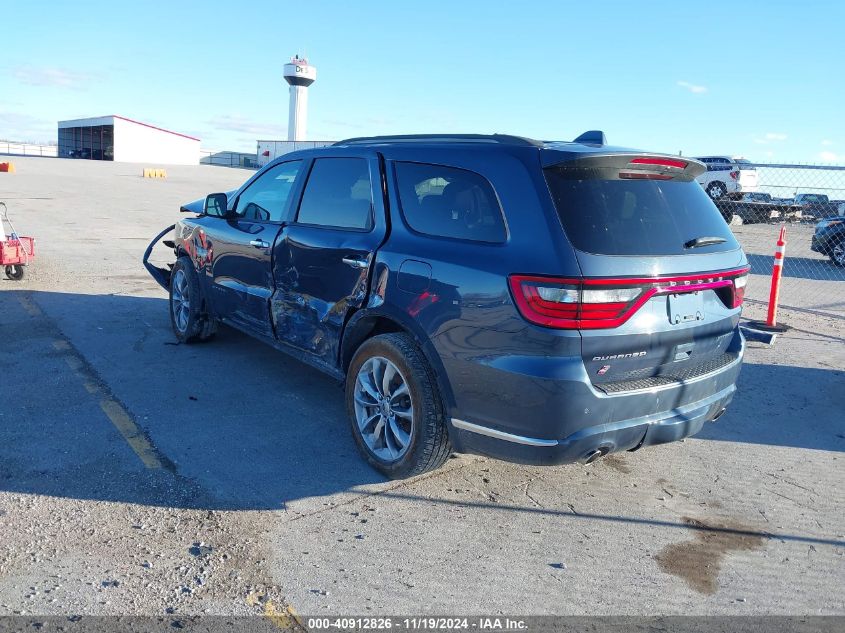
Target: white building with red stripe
{"type": "Point", "coordinates": [119, 139]}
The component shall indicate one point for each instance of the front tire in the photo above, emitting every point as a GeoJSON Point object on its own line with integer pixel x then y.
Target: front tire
{"type": "Point", "coordinates": [190, 324]}
{"type": "Point", "coordinates": [395, 409]}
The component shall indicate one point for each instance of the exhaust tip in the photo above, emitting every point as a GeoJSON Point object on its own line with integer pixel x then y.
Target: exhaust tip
{"type": "Point", "coordinates": [719, 414]}
{"type": "Point", "coordinates": [596, 454]}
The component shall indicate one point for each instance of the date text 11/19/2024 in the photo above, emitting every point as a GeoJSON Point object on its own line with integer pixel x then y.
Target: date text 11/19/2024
{"type": "Point", "coordinates": [418, 624]}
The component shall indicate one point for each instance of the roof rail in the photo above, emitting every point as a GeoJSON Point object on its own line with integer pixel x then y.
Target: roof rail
{"type": "Point", "coordinates": [593, 137]}
{"type": "Point", "coordinates": [505, 139]}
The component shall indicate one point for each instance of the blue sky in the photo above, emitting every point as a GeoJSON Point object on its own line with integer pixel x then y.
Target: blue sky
{"type": "Point", "coordinates": [759, 79]}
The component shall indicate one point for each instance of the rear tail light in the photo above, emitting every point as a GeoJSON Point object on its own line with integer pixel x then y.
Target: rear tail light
{"type": "Point", "coordinates": [734, 175]}
{"type": "Point", "coordinates": [608, 303]}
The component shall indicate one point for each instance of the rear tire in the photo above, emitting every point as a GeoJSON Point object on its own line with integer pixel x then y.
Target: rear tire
{"type": "Point", "coordinates": [15, 272]}
{"type": "Point", "coordinates": [716, 190]}
{"type": "Point", "coordinates": [837, 253]}
{"type": "Point", "coordinates": [189, 322]}
{"type": "Point", "coordinates": [395, 409]}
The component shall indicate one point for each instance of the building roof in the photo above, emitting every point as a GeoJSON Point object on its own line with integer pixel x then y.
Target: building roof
{"type": "Point", "coordinates": [109, 119]}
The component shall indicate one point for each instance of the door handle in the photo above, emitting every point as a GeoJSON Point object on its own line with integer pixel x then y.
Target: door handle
{"type": "Point", "coordinates": [259, 244]}
{"type": "Point", "coordinates": [356, 262]}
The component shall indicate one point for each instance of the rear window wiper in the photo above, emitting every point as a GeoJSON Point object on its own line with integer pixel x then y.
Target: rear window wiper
{"type": "Point", "coordinates": [704, 241]}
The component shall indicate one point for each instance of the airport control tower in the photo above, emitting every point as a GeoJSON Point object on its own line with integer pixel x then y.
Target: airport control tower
{"type": "Point", "coordinates": [299, 74]}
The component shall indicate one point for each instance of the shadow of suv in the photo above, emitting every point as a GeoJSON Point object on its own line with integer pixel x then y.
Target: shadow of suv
{"type": "Point", "coordinates": [542, 302]}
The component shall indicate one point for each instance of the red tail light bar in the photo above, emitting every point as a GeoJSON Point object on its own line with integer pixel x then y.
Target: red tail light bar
{"type": "Point", "coordinates": [608, 303]}
{"type": "Point", "coordinates": [660, 162]}
{"type": "Point", "coordinates": [653, 168]}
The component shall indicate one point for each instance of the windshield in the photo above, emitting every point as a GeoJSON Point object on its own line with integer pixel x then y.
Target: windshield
{"type": "Point", "coordinates": [604, 214]}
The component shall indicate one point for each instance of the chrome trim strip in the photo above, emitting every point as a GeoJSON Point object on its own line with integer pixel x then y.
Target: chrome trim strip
{"type": "Point", "coordinates": [501, 435]}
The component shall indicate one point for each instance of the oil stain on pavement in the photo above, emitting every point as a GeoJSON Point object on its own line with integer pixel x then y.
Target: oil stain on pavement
{"type": "Point", "coordinates": [698, 562]}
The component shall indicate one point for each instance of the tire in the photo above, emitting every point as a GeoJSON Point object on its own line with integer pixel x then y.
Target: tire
{"type": "Point", "coordinates": [716, 190]}
{"type": "Point", "coordinates": [426, 437]}
{"type": "Point", "coordinates": [189, 322]}
{"type": "Point", "coordinates": [837, 253]}
{"type": "Point", "coordinates": [15, 272]}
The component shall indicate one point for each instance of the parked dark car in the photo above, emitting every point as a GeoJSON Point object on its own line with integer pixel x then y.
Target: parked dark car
{"type": "Point", "coordinates": [829, 238]}
{"type": "Point", "coordinates": [542, 302]}
{"type": "Point", "coordinates": [816, 205]}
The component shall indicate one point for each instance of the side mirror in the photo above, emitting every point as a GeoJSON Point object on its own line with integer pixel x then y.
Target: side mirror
{"type": "Point", "coordinates": [216, 205]}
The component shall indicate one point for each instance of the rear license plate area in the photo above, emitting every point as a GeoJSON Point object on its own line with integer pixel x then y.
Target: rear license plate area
{"type": "Point", "coordinates": [686, 307]}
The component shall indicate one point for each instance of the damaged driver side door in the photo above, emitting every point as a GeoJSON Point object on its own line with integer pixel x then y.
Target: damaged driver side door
{"type": "Point", "coordinates": [241, 267]}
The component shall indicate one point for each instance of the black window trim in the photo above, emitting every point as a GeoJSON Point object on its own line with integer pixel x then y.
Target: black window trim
{"type": "Point", "coordinates": [301, 194]}
{"type": "Point", "coordinates": [431, 236]}
{"type": "Point", "coordinates": [293, 192]}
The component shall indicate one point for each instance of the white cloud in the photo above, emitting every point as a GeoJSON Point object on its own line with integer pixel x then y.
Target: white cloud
{"type": "Point", "coordinates": [770, 137]}
{"type": "Point", "coordinates": [828, 157]}
{"type": "Point", "coordinates": [52, 77]}
{"type": "Point", "coordinates": [692, 87]}
{"type": "Point", "coordinates": [827, 142]}
{"type": "Point", "coordinates": [23, 127]}
{"type": "Point", "coordinates": [238, 123]}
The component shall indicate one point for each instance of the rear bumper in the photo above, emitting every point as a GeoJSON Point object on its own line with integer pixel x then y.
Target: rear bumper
{"type": "Point", "coordinates": [626, 435]}
{"type": "Point", "coordinates": [587, 420]}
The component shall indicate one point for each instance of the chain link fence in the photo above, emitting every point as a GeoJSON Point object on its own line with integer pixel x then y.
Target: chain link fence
{"type": "Point", "coordinates": [810, 202]}
{"type": "Point", "coordinates": [28, 149]}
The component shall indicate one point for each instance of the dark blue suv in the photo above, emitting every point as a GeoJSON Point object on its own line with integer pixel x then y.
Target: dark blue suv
{"type": "Point", "coordinates": [542, 302]}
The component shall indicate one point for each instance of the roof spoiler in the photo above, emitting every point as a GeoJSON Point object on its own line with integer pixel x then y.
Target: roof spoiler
{"type": "Point", "coordinates": [593, 137]}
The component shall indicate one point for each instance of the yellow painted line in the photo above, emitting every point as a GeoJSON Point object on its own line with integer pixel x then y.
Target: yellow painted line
{"type": "Point", "coordinates": [284, 618]}
{"type": "Point", "coordinates": [116, 413]}
{"type": "Point", "coordinates": [122, 421]}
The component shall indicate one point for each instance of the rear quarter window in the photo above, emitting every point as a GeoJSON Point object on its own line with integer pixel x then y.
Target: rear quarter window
{"type": "Point", "coordinates": [443, 201]}
{"type": "Point", "coordinates": [606, 215]}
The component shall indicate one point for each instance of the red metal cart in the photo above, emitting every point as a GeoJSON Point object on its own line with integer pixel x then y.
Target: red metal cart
{"type": "Point", "coordinates": [16, 251]}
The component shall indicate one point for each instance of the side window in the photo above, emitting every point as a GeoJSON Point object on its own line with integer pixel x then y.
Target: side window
{"type": "Point", "coordinates": [449, 202]}
{"type": "Point", "coordinates": [339, 194]}
{"type": "Point", "coordinates": [267, 198]}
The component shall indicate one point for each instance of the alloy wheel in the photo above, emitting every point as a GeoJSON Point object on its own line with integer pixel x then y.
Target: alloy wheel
{"type": "Point", "coordinates": [180, 300]}
{"type": "Point", "coordinates": [839, 253]}
{"type": "Point", "coordinates": [383, 409]}
{"type": "Point", "coordinates": [716, 192]}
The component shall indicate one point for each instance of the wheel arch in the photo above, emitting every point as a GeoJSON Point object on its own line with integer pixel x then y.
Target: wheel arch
{"type": "Point", "coordinates": [367, 323]}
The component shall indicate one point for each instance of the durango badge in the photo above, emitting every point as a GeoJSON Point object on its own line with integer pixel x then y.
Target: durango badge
{"type": "Point", "coordinates": [620, 356]}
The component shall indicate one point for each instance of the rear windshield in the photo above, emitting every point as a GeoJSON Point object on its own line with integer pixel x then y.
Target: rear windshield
{"type": "Point", "coordinates": [604, 214]}
{"type": "Point", "coordinates": [745, 165]}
